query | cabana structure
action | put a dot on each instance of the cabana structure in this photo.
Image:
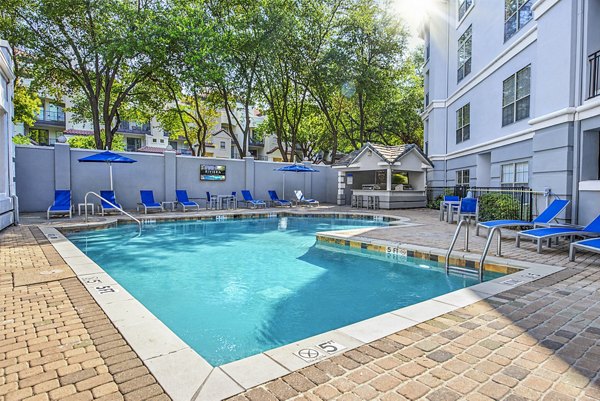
(387, 177)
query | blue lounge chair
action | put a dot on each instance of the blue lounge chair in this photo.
(148, 202)
(184, 201)
(62, 203)
(111, 205)
(251, 201)
(591, 245)
(303, 201)
(544, 219)
(541, 234)
(278, 202)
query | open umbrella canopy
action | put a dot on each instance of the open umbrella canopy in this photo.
(298, 168)
(295, 168)
(107, 157)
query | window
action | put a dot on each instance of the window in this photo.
(462, 177)
(162, 141)
(515, 174)
(133, 144)
(515, 96)
(463, 123)
(153, 139)
(222, 145)
(463, 7)
(517, 13)
(464, 54)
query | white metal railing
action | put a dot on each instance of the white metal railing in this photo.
(113, 205)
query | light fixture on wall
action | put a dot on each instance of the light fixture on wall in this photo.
(61, 139)
(369, 153)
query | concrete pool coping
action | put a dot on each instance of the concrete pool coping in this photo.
(166, 355)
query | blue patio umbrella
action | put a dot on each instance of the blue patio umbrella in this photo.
(107, 157)
(295, 168)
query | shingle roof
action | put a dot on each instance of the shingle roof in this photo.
(82, 132)
(389, 154)
(151, 149)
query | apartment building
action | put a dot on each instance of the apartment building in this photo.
(8, 199)
(512, 97)
(54, 120)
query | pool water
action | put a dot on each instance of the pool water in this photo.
(231, 289)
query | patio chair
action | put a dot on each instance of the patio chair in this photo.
(148, 202)
(467, 209)
(544, 219)
(590, 245)
(211, 201)
(251, 201)
(278, 202)
(446, 206)
(107, 207)
(184, 201)
(303, 201)
(540, 234)
(62, 203)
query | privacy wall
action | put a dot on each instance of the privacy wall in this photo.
(40, 170)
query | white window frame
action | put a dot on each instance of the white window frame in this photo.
(459, 4)
(460, 177)
(517, 13)
(463, 40)
(516, 98)
(461, 125)
(514, 167)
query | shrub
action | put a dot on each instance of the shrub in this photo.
(497, 206)
(435, 202)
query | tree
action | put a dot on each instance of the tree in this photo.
(88, 142)
(99, 50)
(26, 104)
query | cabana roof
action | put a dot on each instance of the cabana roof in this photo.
(388, 154)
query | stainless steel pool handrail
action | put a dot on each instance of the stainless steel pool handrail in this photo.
(113, 205)
(487, 248)
(456, 233)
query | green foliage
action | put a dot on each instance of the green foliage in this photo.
(21, 140)
(497, 206)
(88, 142)
(26, 105)
(435, 202)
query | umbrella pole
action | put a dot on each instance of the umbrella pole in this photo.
(283, 196)
(110, 174)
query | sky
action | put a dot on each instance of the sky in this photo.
(413, 12)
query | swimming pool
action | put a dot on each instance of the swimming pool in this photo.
(231, 289)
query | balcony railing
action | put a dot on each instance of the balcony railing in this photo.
(52, 117)
(594, 77)
(129, 127)
(256, 142)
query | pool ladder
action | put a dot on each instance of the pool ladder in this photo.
(462, 270)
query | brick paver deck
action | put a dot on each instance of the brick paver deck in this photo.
(537, 341)
(55, 341)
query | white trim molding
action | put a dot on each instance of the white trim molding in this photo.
(592, 185)
(540, 7)
(590, 108)
(489, 145)
(561, 116)
(5, 65)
